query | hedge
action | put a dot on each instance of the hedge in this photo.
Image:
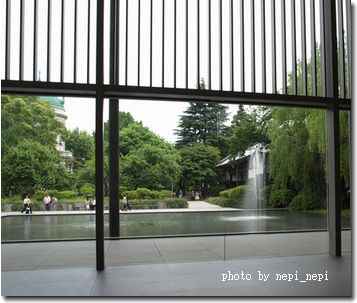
(144, 193)
(157, 203)
(305, 201)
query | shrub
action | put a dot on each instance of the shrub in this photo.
(132, 194)
(158, 203)
(87, 189)
(176, 202)
(225, 193)
(224, 202)
(144, 193)
(164, 194)
(281, 197)
(238, 192)
(67, 194)
(304, 201)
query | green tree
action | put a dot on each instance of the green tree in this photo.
(81, 144)
(28, 118)
(135, 135)
(86, 174)
(292, 164)
(150, 166)
(198, 164)
(248, 128)
(203, 122)
(125, 120)
(31, 166)
(146, 160)
(298, 151)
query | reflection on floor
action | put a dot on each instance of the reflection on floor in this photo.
(180, 266)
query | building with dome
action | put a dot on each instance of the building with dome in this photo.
(57, 104)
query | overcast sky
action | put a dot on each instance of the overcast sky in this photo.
(160, 116)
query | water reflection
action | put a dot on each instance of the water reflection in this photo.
(27, 227)
(160, 224)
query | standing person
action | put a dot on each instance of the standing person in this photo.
(180, 193)
(53, 202)
(126, 203)
(47, 201)
(93, 204)
(192, 195)
(27, 205)
(87, 204)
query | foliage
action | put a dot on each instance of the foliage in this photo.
(248, 129)
(158, 203)
(281, 197)
(224, 202)
(198, 164)
(27, 118)
(203, 122)
(60, 195)
(293, 163)
(30, 166)
(87, 189)
(86, 174)
(237, 192)
(125, 120)
(266, 191)
(304, 201)
(81, 144)
(144, 193)
(135, 135)
(151, 166)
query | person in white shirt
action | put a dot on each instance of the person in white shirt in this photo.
(27, 205)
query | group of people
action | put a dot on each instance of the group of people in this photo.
(194, 195)
(47, 200)
(90, 203)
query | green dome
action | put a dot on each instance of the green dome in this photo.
(54, 101)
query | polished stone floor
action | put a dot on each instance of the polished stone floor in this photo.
(181, 267)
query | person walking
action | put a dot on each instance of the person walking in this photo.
(27, 205)
(47, 201)
(180, 194)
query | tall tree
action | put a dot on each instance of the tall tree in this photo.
(249, 128)
(198, 164)
(31, 166)
(150, 166)
(28, 118)
(29, 132)
(203, 122)
(81, 144)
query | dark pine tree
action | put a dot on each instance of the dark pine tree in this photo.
(203, 122)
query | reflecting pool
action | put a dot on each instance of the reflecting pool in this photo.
(53, 227)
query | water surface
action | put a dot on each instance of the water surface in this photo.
(54, 227)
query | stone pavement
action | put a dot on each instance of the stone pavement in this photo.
(178, 267)
(193, 207)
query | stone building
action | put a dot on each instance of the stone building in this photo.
(57, 104)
